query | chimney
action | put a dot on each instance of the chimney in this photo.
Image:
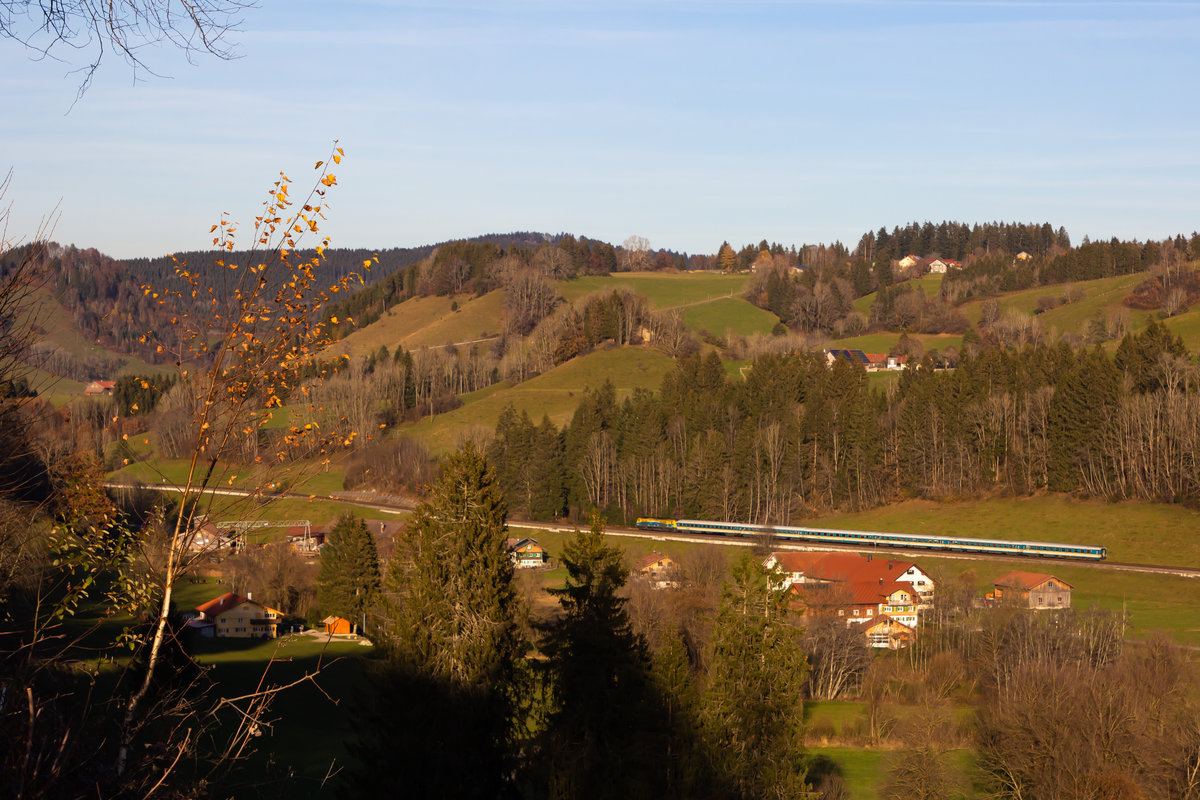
(250, 595)
(889, 565)
(881, 581)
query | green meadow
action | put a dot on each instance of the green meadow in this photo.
(554, 394)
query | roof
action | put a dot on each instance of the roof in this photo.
(853, 356)
(796, 561)
(220, 604)
(866, 592)
(649, 560)
(891, 622)
(1026, 581)
(332, 619)
(854, 568)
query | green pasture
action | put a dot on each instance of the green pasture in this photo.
(1187, 325)
(931, 285)
(1100, 295)
(725, 314)
(861, 768)
(884, 342)
(427, 322)
(1142, 533)
(308, 727)
(1155, 604)
(556, 394)
(661, 289)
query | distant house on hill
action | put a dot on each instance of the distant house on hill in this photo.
(1032, 590)
(236, 617)
(871, 362)
(907, 261)
(99, 387)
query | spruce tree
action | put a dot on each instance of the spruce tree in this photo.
(604, 736)
(754, 706)
(442, 715)
(348, 584)
(450, 580)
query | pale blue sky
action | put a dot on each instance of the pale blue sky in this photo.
(685, 122)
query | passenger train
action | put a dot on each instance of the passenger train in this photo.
(879, 539)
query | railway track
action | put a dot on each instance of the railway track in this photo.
(399, 507)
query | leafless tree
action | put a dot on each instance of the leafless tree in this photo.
(128, 28)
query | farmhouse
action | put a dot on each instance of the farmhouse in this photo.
(804, 567)
(662, 572)
(887, 632)
(859, 589)
(236, 617)
(871, 362)
(99, 387)
(1032, 590)
(526, 553)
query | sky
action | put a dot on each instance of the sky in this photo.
(686, 122)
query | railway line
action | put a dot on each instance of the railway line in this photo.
(398, 507)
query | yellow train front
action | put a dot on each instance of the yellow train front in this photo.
(649, 524)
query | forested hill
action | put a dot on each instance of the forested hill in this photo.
(335, 264)
(90, 285)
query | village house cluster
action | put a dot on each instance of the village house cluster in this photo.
(884, 597)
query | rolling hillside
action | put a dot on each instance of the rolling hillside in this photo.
(554, 394)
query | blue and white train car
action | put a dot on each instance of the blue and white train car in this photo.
(880, 539)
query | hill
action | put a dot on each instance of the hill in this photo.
(554, 394)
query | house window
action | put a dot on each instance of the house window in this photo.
(856, 612)
(870, 612)
(841, 612)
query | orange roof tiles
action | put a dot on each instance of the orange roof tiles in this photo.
(1025, 580)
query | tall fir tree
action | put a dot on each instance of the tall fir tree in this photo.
(348, 584)
(607, 731)
(754, 705)
(444, 709)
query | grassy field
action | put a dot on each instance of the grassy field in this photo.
(1101, 295)
(427, 322)
(931, 285)
(884, 342)
(1146, 533)
(1187, 325)
(309, 727)
(725, 314)
(555, 393)
(662, 290)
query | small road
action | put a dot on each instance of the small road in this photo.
(395, 505)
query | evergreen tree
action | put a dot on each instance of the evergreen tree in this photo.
(603, 737)
(348, 584)
(727, 260)
(443, 714)
(754, 705)
(453, 603)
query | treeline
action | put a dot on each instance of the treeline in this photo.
(797, 436)
(958, 240)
